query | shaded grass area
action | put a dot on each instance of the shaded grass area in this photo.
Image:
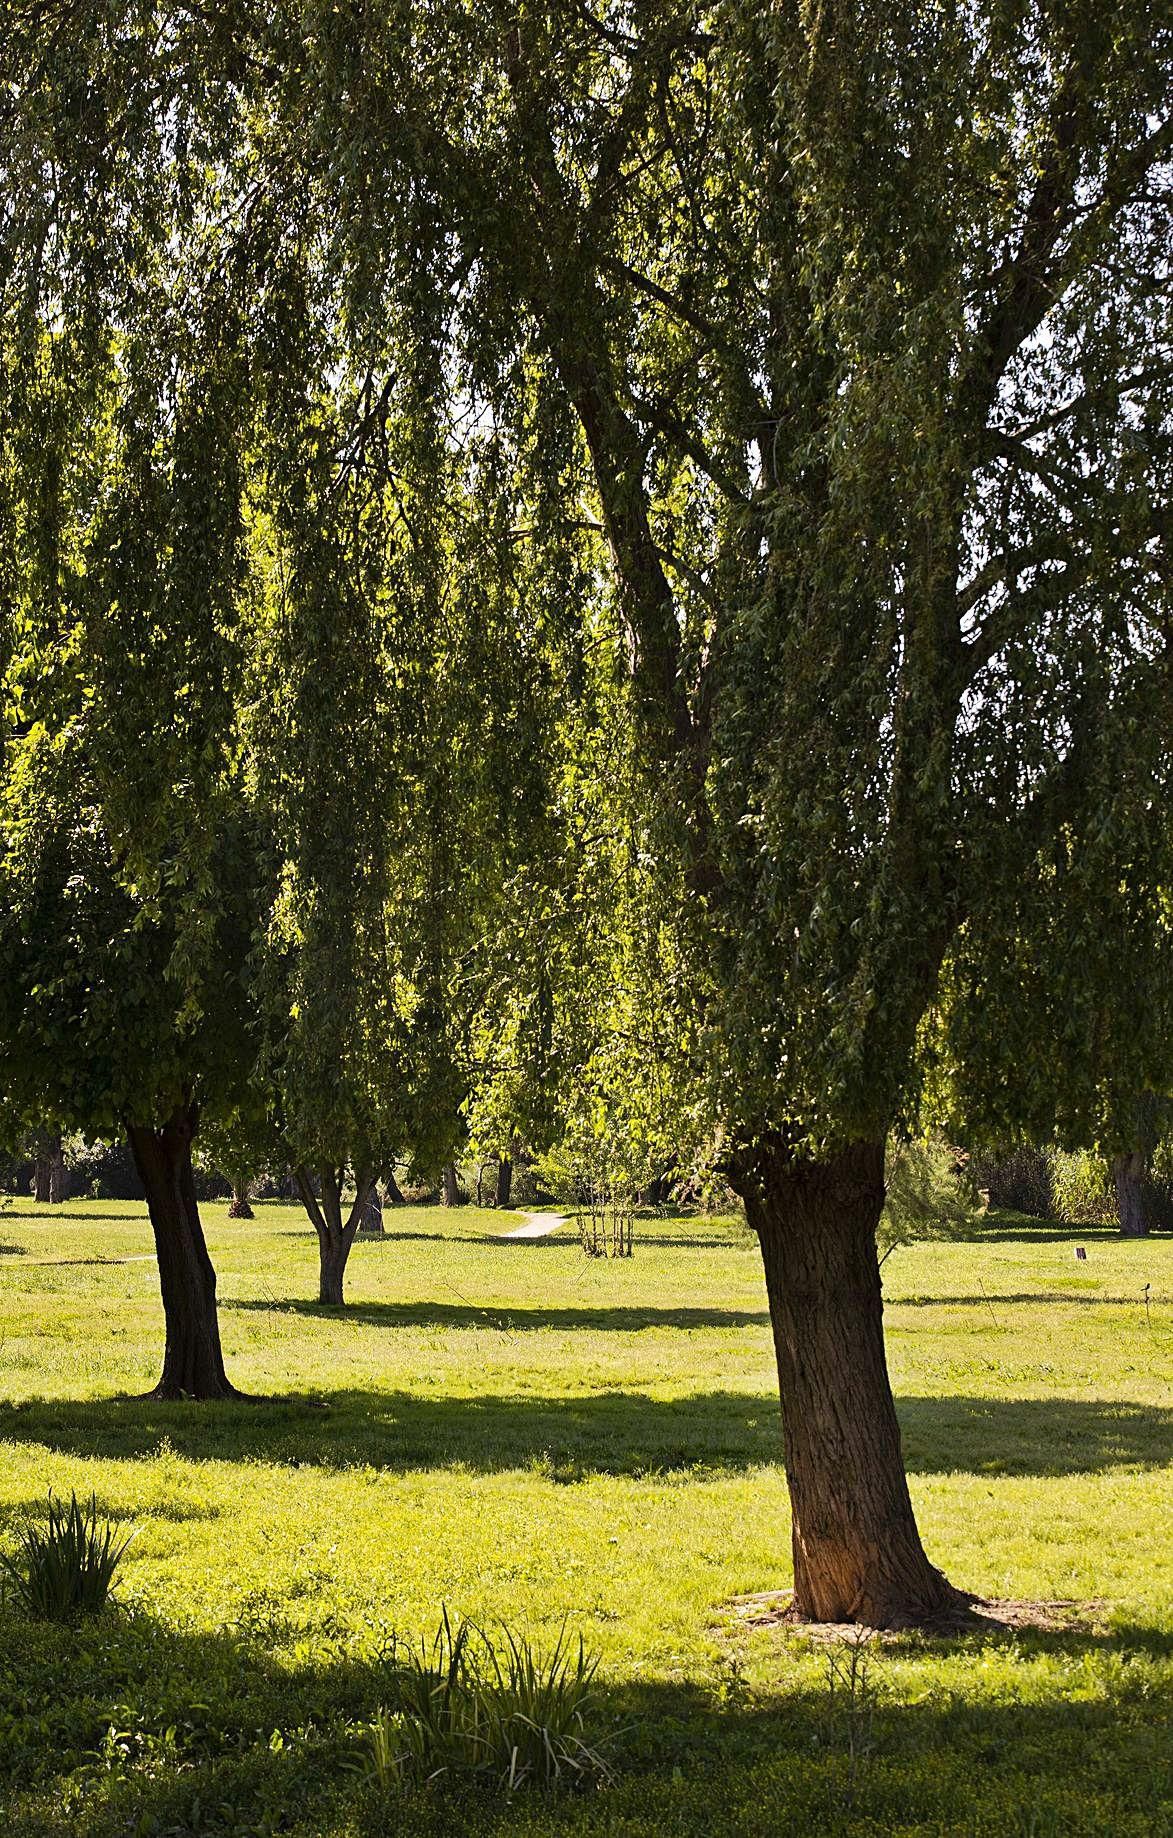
(520, 1432)
(612, 1433)
(177, 1731)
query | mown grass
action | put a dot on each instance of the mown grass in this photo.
(523, 1433)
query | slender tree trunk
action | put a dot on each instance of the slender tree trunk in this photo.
(193, 1366)
(372, 1213)
(391, 1193)
(1130, 1176)
(450, 1191)
(336, 1234)
(238, 1205)
(504, 1180)
(59, 1175)
(332, 1256)
(857, 1551)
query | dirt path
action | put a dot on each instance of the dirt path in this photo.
(537, 1225)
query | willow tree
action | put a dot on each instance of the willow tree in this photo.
(861, 317)
(835, 340)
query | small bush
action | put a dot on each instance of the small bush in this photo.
(929, 1193)
(63, 1570)
(1017, 1180)
(419, 1193)
(469, 1709)
(1083, 1189)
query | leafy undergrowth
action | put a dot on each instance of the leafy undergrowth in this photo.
(541, 1439)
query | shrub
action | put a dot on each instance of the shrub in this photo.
(63, 1570)
(501, 1714)
(1017, 1180)
(1083, 1189)
(419, 1193)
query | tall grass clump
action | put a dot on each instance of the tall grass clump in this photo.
(497, 1712)
(1083, 1188)
(62, 1571)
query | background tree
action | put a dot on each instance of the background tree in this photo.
(126, 858)
(1062, 989)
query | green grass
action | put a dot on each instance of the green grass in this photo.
(520, 1432)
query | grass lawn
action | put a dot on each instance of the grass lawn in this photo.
(517, 1431)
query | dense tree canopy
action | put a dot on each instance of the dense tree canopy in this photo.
(799, 374)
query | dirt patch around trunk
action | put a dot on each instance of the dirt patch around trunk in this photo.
(775, 1608)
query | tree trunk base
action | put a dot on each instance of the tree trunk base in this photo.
(193, 1365)
(168, 1392)
(971, 1615)
(857, 1553)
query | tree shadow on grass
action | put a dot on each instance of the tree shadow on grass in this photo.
(621, 1319)
(570, 1439)
(993, 1299)
(220, 1722)
(1041, 1231)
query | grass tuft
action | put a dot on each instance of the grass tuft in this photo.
(497, 1712)
(63, 1571)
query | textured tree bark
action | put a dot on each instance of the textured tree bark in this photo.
(450, 1191)
(238, 1205)
(858, 1556)
(1130, 1176)
(193, 1365)
(504, 1180)
(331, 1272)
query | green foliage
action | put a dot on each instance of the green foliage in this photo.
(63, 1570)
(1083, 1188)
(664, 386)
(1017, 1179)
(930, 1193)
(476, 1707)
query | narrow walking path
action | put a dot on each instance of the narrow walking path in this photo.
(537, 1225)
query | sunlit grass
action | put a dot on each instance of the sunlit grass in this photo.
(523, 1433)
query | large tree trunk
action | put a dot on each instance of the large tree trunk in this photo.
(193, 1366)
(857, 1551)
(449, 1187)
(1130, 1176)
(504, 1180)
(336, 1234)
